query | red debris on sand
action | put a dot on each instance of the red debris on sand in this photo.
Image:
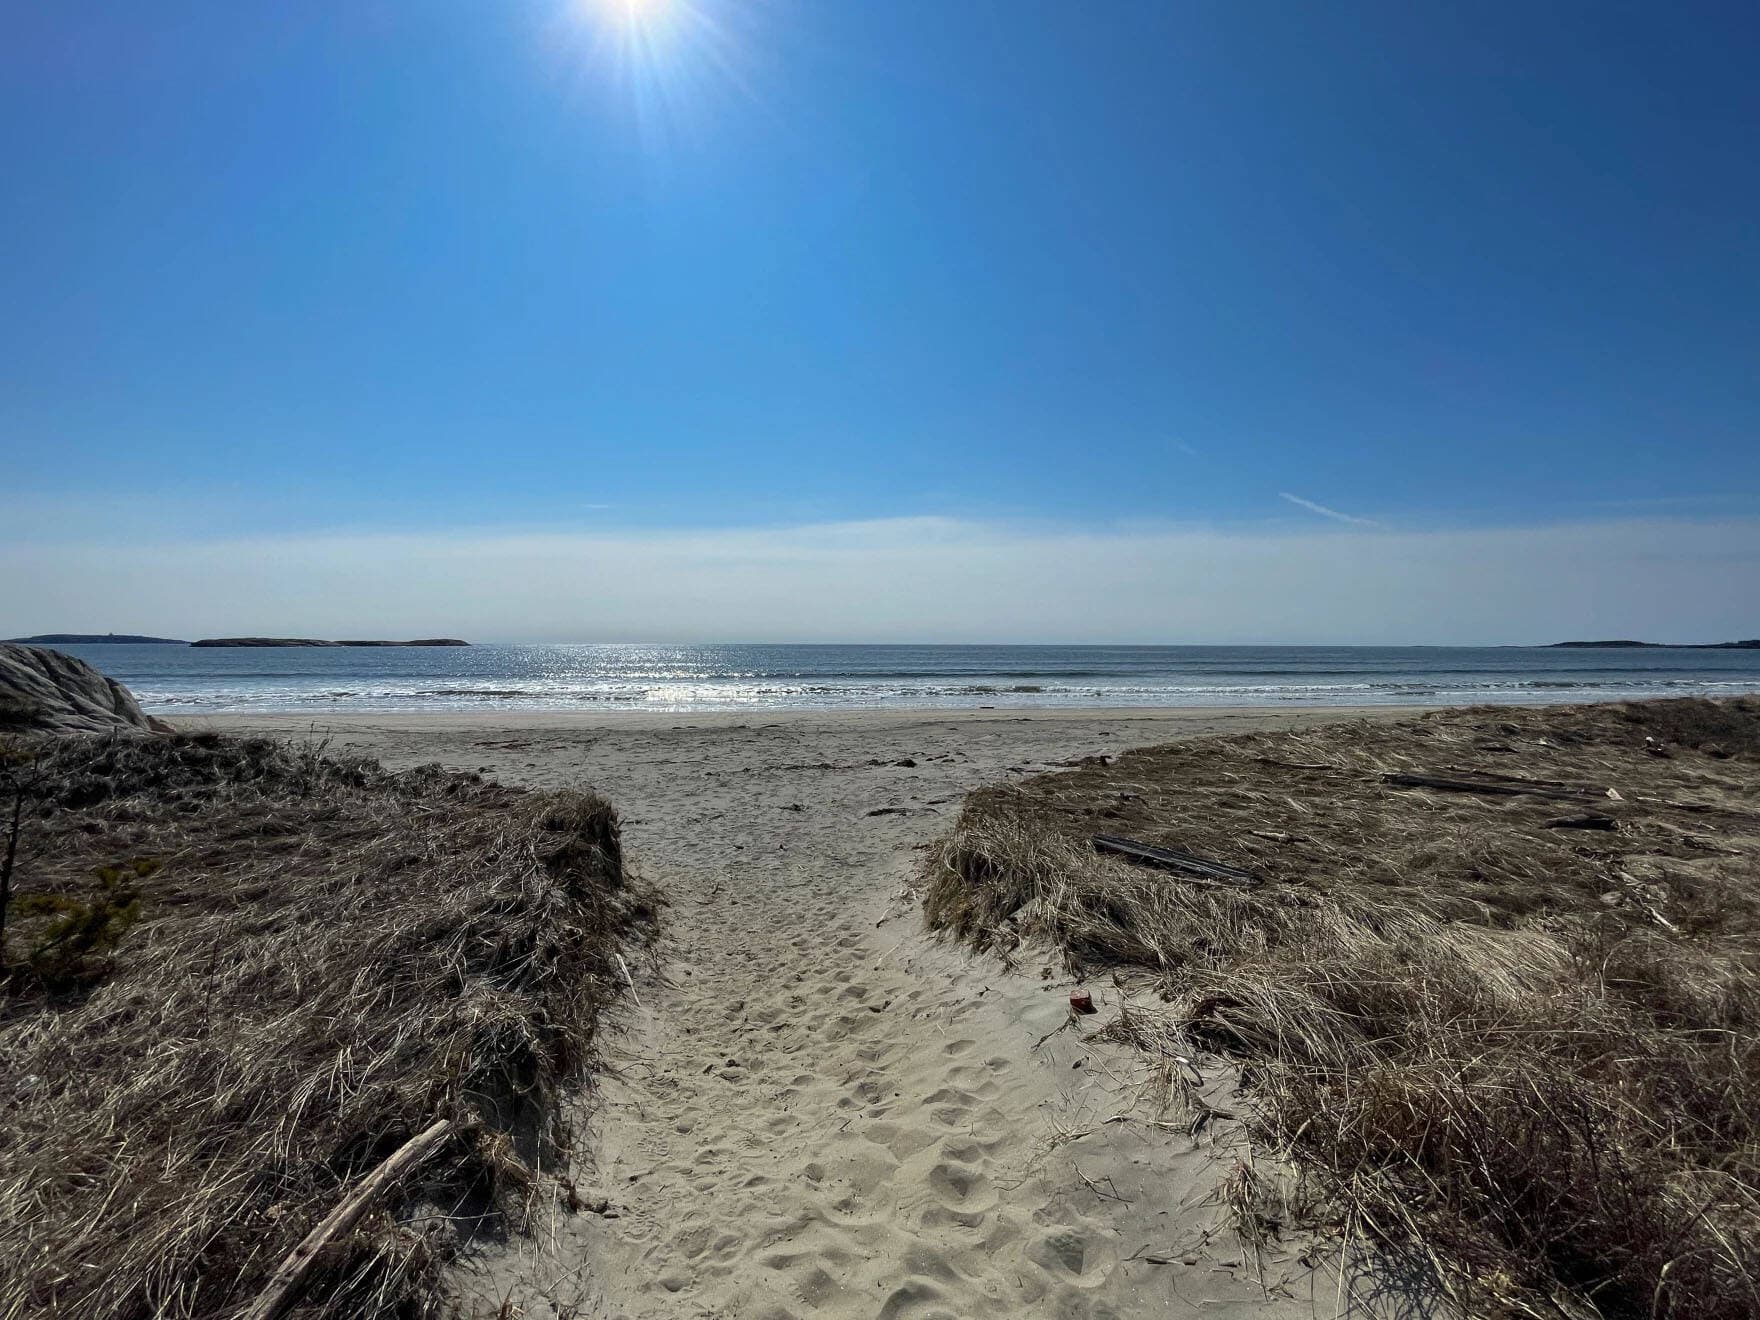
(1080, 1001)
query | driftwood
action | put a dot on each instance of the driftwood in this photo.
(1199, 870)
(1475, 775)
(284, 1285)
(1589, 822)
(1498, 786)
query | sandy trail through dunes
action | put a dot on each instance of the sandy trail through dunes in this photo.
(819, 1112)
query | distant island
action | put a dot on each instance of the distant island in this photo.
(96, 639)
(1751, 644)
(313, 641)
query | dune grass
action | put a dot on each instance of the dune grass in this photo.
(324, 958)
(1523, 1048)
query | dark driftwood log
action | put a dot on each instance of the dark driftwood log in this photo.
(285, 1284)
(1200, 870)
(1589, 822)
(1501, 786)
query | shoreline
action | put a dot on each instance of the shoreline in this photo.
(895, 713)
(1236, 718)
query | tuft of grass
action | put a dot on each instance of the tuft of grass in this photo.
(323, 958)
(1529, 1051)
(1720, 729)
(18, 713)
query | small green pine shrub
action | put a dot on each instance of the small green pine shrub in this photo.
(80, 931)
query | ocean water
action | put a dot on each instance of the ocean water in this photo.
(173, 679)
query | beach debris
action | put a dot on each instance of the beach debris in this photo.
(1107, 1193)
(1294, 765)
(284, 1284)
(1498, 786)
(1197, 870)
(628, 980)
(1589, 822)
(1279, 836)
(1068, 1019)
(1081, 1001)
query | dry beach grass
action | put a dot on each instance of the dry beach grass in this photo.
(328, 957)
(814, 1110)
(1522, 1047)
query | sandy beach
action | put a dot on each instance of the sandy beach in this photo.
(817, 1110)
(696, 660)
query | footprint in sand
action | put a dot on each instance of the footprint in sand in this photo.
(961, 1187)
(878, 1148)
(917, 1300)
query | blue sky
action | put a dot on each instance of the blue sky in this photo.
(419, 267)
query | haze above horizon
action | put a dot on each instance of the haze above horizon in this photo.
(671, 318)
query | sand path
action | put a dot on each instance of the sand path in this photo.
(819, 1112)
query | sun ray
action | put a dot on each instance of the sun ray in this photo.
(664, 63)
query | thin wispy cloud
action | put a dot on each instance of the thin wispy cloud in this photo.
(1723, 498)
(1325, 512)
(905, 579)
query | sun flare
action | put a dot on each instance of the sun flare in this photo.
(668, 60)
(636, 20)
(645, 34)
(634, 13)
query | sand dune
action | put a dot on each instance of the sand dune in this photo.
(819, 1112)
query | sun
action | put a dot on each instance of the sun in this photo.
(634, 14)
(633, 11)
(666, 63)
(642, 32)
(664, 71)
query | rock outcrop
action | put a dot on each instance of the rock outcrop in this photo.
(44, 691)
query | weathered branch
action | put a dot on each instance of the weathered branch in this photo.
(284, 1285)
(1200, 870)
(1501, 786)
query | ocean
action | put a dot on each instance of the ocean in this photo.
(173, 679)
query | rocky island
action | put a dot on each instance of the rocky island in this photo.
(96, 639)
(1750, 644)
(313, 641)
